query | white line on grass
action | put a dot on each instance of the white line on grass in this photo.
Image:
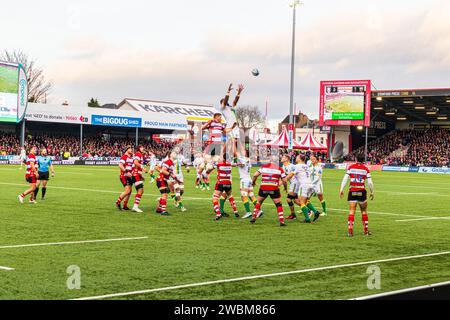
(204, 199)
(6, 268)
(271, 275)
(69, 242)
(424, 219)
(387, 294)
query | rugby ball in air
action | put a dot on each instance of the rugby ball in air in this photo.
(255, 72)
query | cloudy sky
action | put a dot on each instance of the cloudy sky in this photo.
(188, 51)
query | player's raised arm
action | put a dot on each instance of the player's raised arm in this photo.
(239, 91)
(227, 96)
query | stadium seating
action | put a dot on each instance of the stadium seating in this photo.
(430, 147)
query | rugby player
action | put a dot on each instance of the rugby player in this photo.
(178, 185)
(217, 133)
(152, 162)
(45, 165)
(31, 176)
(229, 113)
(22, 157)
(317, 173)
(199, 165)
(303, 175)
(247, 191)
(137, 177)
(294, 186)
(126, 178)
(223, 187)
(166, 171)
(271, 175)
(358, 174)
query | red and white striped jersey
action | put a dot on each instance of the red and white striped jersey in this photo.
(169, 166)
(224, 172)
(127, 162)
(358, 174)
(216, 131)
(30, 159)
(271, 174)
(137, 170)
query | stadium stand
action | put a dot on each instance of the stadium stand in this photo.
(65, 146)
(428, 147)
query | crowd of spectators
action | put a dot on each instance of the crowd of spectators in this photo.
(65, 146)
(429, 148)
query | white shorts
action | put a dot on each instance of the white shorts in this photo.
(152, 166)
(235, 133)
(318, 188)
(246, 184)
(294, 187)
(180, 178)
(307, 190)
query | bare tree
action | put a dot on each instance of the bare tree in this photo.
(249, 117)
(39, 87)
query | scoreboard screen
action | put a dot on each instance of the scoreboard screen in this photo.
(345, 103)
(13, 92)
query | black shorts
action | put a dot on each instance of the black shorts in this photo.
(44, 176)
(357, 196)
(163, 187)
(224, 187)
(273, 194)
(31, 179)
(126, 181)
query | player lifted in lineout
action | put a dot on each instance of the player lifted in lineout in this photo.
(229, 113)
(358, 174)
(271, 175)
(31, 176)
(126, 178)
(223, 189)
(45, 165)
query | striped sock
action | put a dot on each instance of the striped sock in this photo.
(163, 204)
(351, 222)
(233, 204)
(119, 201)
(137, 199)
(216, 207)
(365, 219)
(280, 214)
(256, 211)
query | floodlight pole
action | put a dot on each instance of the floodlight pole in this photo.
(294, 6)
(137, 136)
(366, 147)
(22, 133)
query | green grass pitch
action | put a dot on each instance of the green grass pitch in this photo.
(190, 248)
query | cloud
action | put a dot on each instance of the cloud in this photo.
(394, 50)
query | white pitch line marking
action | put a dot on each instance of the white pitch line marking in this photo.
(387, 294)
(6, 268)
(424, 219)
(204, 199)
(69, 242)
(271, 275)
